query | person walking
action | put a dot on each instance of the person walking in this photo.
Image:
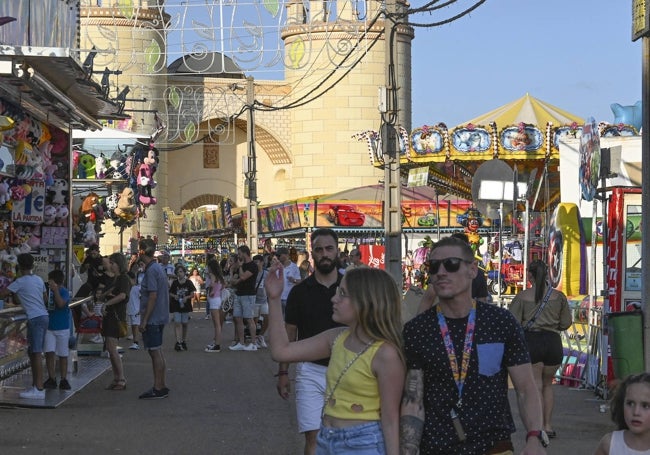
(154, 314)
(308, 313)
(365, 376)
(356, 260)
(115, 299)
(215, 284)
(243, 309)
(180, 295)
(544, 313)
(459, 357)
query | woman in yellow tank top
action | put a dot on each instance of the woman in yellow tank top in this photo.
(365, 376)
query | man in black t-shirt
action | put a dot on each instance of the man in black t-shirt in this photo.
(309, 312)
(244, 306)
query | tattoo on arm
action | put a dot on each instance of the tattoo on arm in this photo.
(412, 415)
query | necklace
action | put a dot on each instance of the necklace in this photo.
(344, 370)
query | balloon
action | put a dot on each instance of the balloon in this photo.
(628, 115)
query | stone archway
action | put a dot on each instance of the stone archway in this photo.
(204, 199)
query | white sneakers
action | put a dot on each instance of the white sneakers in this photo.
(261, 342)
(33, 394)
(241, 347)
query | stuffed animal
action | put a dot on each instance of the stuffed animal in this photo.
(101, 166)
(62, 214)
(4, 192)
(145, 177)
(117, 166)
(90, 208)
(126, 208)
(86, 168)
(34, 240)
(49, 215)
(90, 236)
(58, 193)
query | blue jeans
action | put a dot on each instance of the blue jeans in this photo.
(364, 439)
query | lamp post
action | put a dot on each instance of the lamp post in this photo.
(251, 169)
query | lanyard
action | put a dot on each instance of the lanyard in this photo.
(458, 374)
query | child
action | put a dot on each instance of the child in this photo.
(58, 330)
(631, 414)
(133, 310)
(180, 295)
(28, 290)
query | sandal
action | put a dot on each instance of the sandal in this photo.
(117, 385)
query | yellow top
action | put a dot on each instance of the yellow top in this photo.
(356, 396)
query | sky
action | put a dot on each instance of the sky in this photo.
(574, 54)
(577, 55)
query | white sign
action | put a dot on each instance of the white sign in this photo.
(30, 209)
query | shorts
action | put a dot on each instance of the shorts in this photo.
(133, 319)
(310, 395)
(214, 303)
(262, 308)
(364, 439)
(152, 337)
(544, 346)
(36, 329)
(244, 306)
(181, 318)
(57, 341)
(111, 326)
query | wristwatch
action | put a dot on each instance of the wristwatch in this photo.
(539, 434)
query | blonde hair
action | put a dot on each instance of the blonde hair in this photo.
(378, 303)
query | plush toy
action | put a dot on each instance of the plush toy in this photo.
(628, 115)
(58, 193)
(90, 208)
(34, 240)
(126, 209)
(86, 168)
(101, 166)
(90, 236)
(62, 214)
(4, 192)
(49, 215)
(145, 177)
(117, 166)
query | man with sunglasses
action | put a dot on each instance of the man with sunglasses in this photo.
(459, 355)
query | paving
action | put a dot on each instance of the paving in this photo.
(220, 403)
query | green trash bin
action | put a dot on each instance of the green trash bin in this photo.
(626, 342)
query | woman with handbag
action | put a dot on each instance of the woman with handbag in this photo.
(366, 371)
(115, 299)
(544, 313)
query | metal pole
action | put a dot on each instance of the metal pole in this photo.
(390, 145)
(645, 194)
(251, 175)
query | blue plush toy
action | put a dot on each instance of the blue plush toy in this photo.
(628, 115)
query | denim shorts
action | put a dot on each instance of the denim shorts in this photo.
(152, 337)
(36, 329)
(364, 439)
(244, 306)
(181, 318)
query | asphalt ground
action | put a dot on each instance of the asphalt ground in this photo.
(220, 403)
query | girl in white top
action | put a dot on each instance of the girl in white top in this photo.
(631, 414)
(214, 285)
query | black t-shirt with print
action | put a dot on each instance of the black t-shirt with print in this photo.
(181, 291)
(485, 411)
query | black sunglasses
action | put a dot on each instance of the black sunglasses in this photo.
(451, 264)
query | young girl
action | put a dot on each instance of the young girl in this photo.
(631, 414)
(215, 284)
(365, 376)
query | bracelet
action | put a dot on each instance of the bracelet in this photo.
(282, 373)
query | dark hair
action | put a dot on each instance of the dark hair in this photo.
(467, 252)
(120, 260)
(618, 400)
(148, 246)
(244, 249)
(131, 274)
(461, 235)
(25, 261)
(214, 268)
(258, 257)
(538, 270)
(324, 232)
(57, 276)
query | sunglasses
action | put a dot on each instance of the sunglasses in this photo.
(451, 264)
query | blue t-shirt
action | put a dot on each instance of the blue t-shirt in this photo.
(30, 290)
(59, 316)
(155, 280)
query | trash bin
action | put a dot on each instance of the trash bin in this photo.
(626, 342)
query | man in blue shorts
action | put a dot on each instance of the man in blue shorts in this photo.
(154, 311)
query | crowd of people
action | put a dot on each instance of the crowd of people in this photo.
(365, 382)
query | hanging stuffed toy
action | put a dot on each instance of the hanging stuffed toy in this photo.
(145, 177)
